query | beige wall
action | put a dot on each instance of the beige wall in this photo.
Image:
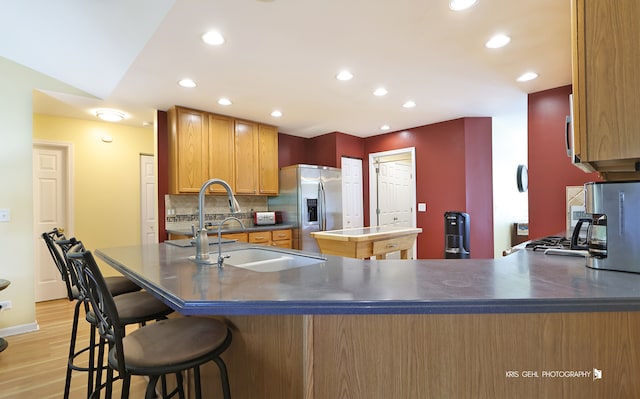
(112, 172)
(17, 237)
(106, 177)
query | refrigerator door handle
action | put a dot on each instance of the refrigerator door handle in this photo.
(321, 208)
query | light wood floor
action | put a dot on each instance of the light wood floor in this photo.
(34, 364)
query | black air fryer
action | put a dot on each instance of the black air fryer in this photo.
(456, 235)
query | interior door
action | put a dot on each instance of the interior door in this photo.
(352, 198)
(395, 206)
(51, 179)
(148, 212)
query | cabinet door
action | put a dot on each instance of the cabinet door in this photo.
(260, 237)
(188, 150)
(268, 159)
(221, 151)
(606, 56)
(246, 159)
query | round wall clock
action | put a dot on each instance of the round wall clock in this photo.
(522, 178)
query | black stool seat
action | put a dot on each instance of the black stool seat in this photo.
(171, 345)
(136, 307)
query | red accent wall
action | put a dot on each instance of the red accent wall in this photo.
(291, 150)
(550, 170)
(163, 171)
(322, 150)
(453, 173)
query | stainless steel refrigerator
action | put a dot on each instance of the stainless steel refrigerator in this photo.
(311, 199)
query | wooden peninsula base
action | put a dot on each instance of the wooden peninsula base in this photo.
(552, 355)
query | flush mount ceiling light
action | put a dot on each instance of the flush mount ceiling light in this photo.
(224, 101)
(213, 38)
(525, 77)
(380, 91)
(385, 127)
(344, 75)
(187, 83)
(498, 41)
(459, 5)
(276, 114)
(110, 115)
(409, 104)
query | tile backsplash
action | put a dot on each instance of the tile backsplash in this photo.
(182, 210)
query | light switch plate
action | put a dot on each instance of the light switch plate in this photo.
(422, 207)
(5, 215)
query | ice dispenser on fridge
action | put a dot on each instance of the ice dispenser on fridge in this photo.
(613, 238)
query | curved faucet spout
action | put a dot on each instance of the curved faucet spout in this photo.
(202, 240)
(220, 257)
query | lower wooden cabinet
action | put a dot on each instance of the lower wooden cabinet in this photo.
(276, 238)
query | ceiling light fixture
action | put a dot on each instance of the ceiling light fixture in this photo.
(459, 5)
(224, 101)
(409, 104)
(187, 83)
(213, 38)
(385, 127)
(380, 91)
(276, 114)
(110, 115)
(106, 139)
(498, 41)
(344, 75)
(525, 77)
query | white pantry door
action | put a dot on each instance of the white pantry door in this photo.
(352, 199)
(51, 188)
(148, 209)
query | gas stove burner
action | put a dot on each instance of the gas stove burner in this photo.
(555, 242)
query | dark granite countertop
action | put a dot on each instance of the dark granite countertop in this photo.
(522, 282)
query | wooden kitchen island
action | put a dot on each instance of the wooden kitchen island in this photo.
(527, 325)
(365, 242)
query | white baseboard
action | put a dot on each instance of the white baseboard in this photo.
(23, 328)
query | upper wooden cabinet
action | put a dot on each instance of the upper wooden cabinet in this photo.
(188, 145)
(606, 84)
(203, 145)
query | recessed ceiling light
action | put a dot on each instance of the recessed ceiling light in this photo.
(525, 77)
(187, 83)
(110, 115)
(385, 127)
(380, 91)
(344, 75)
(459, 5)
(276, 114)
(147, 124)
(213, 38)
(106, 139)
(409, 104)
(498, 41)
(224, 101)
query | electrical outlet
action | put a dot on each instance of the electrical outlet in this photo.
(5, 215)
(6, 305)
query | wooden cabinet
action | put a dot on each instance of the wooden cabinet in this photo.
(278, 238)
(606, 86)
(188, 145)
(241, 237)
(203, 145)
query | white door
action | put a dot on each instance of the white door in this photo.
(148, 208)
(392, 190)
(352, 202)
(51, 199)
(395, 207)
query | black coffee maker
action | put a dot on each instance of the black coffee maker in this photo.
(456, 235)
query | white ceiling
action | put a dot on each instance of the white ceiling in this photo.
(284, 54)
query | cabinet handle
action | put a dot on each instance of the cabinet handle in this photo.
(567, 135)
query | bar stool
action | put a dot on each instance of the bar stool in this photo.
(167, 347)
(138, 307)
(3, 342)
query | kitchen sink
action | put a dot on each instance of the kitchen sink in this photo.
(267, 259)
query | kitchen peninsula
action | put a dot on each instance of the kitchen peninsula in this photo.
(349, 328)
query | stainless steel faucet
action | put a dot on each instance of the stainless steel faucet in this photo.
(220, 257)
(201, 238)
